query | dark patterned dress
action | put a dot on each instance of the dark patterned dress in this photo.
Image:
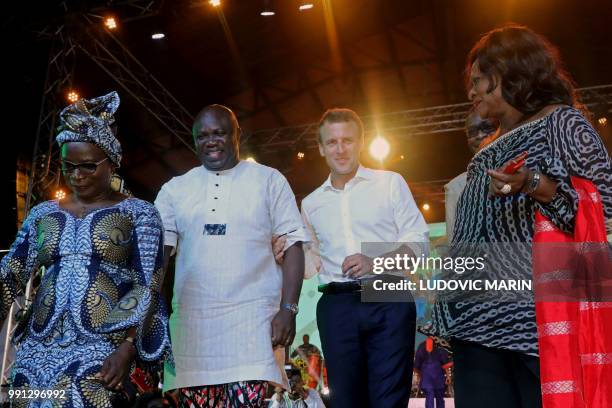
(101, 277)
(560, 144)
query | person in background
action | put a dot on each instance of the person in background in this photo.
(432, 366)
(298, 395)
(311, 356)
(479, 132)
(305, 350)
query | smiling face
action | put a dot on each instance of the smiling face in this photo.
(341, 143)
(215, 133)
(488, 103)
(81, 183)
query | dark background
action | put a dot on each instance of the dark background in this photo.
(391, 55)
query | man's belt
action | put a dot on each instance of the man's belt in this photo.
(335, 288)
(364, 284)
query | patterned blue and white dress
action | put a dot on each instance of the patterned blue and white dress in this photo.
(102, 276)
(560, 145)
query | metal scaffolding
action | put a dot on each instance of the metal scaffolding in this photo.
(86, 35)
(113, 57)
(414, 122)
(44, 169)
(83, 32)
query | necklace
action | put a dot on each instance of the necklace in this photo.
(81, 210)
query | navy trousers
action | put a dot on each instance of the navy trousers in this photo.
(432, 395)
(368, 350)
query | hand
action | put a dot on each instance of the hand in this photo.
(278, 248)
(357, 265)
(116, 366)
(516, 181)
(283, 328)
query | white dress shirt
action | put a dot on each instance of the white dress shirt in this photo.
(374, 206)
(227, 288)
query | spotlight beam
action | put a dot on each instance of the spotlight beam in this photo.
(379, 148)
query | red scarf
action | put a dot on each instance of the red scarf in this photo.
(575, 337)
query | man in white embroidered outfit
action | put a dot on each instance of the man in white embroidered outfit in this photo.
(232, 303)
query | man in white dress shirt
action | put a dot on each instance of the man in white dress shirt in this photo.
(232, 304)
(368, 347)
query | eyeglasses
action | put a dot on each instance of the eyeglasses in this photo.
(84, 168)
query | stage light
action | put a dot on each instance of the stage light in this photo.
(158, 36)
(267, 10)
(300, 155)
(60, 194)
(402, 157)
(251, 159)
(306, 5)
(110, 23)
(379, 148)
(426, 207)
(72, 96)
(214, 3)
(601, 111)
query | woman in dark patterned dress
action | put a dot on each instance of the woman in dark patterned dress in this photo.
(98, 304)
(515, 76)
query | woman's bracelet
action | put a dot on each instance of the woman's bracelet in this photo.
(532, 183)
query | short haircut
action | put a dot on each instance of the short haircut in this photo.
(339, 115)
(223, 110)
(219, 108)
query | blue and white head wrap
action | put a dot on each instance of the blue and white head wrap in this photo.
(90, 121)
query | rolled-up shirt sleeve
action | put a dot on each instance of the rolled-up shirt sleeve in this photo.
(312, 255)
(164, 204)
(412, 228)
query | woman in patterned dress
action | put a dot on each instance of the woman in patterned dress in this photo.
(98, 306)
(514, 76)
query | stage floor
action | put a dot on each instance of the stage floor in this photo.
(420, 403)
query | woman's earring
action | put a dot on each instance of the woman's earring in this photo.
(116, 182)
